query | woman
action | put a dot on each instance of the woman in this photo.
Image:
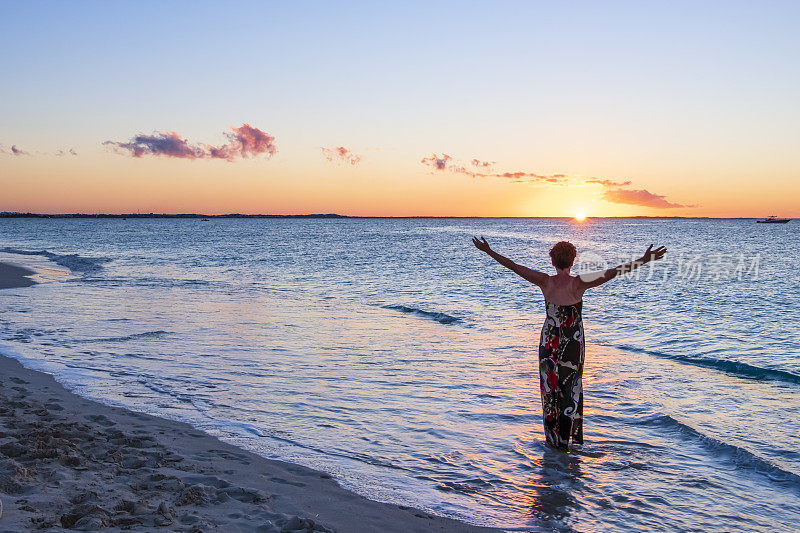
(561, 346)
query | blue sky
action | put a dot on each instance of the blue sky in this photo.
(653, 91)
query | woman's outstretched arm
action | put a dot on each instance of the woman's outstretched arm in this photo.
(534, 276)
(593, 279)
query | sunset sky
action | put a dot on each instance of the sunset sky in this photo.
(408, 108)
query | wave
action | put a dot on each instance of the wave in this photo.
(441, 318)
(240, 428)
(74, 262)
(133, 336)
(736, 368)
(150, 282)
(741, 458)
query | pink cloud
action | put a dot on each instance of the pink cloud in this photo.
(250, 141)
(639, 197)
(482, 164)
(436, 161)
(483, 169)
(608, 183)
(18, 151)
(244, 141)
(530, 176)
(614, 191)
(71, 151)
(340, 153)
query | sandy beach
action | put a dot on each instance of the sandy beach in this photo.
(15, 276)
(68, 462)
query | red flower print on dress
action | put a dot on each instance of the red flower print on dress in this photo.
(552, 380)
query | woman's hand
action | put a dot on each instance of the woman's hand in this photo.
(595, 280)
(481, 244)
(653, 255)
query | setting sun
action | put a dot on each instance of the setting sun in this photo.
(580, 217)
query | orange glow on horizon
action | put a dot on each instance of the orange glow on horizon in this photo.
(298, 182)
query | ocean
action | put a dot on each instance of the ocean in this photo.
(395, 356)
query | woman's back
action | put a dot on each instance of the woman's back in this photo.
(562, 289)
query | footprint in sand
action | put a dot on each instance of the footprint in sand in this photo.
(209, 480)
(100, 419)
(286, 482)
(244, 495)
(54, 406)
(233, 456)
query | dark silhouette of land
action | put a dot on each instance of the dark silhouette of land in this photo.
(7, 214)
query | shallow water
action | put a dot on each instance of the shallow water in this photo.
(394, 355)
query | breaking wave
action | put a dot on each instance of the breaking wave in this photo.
(74, 262)
(441, 318)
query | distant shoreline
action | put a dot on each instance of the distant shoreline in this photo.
(162, 215)
(6, 214)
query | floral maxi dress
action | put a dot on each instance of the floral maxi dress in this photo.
(561, 353)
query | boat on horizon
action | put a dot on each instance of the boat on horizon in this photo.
(773, 220)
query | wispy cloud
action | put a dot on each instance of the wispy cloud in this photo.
(639, 197)
(612, 190)
(14, 150)
(523, 177)
(439, 162)
(244, 141)
(608, 183)
(340, 153)
(477, 168)
(482, 164)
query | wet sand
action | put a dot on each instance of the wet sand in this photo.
(15, 276)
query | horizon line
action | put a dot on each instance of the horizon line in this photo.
(19, 214)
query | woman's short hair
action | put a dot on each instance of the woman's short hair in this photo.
(563, 254)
